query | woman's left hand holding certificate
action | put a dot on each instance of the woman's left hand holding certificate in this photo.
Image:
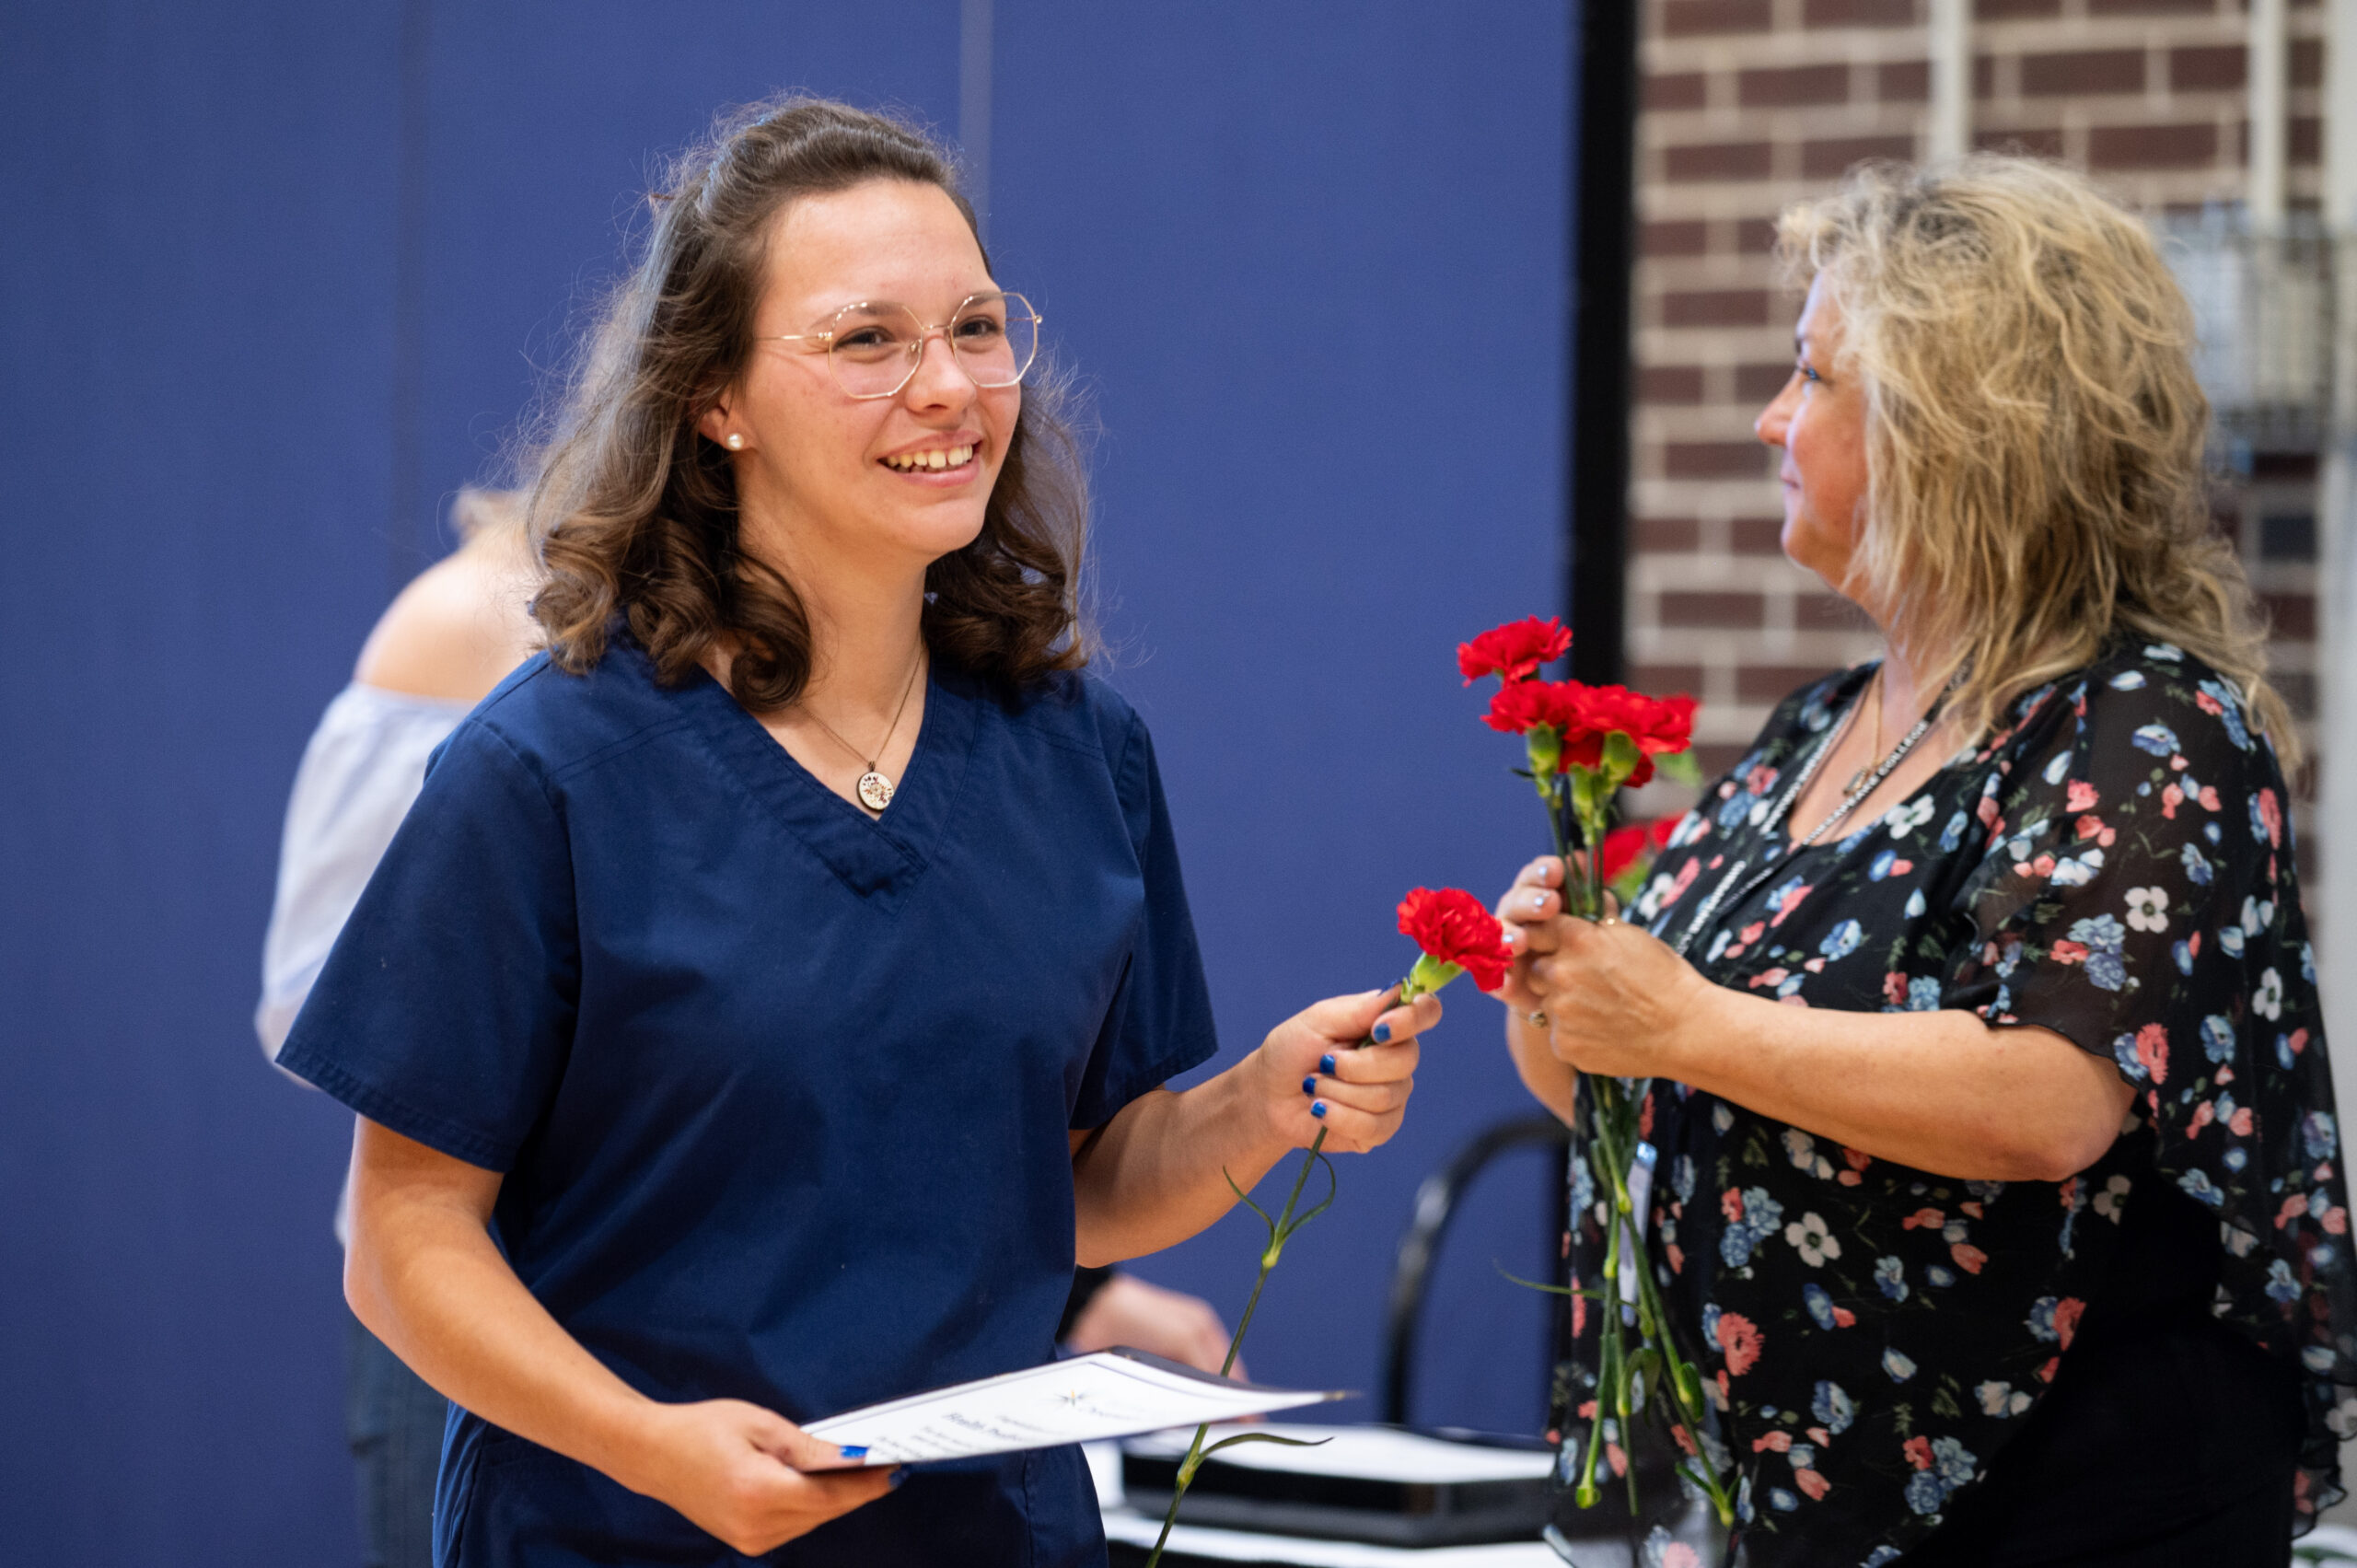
(470, 1329)
(749, 1475)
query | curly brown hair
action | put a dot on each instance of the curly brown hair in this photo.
(635, 511)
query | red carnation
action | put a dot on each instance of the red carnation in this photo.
(1659, 726)
(1623, 845)
(1514, 652)
(1522, 706)
(1453, 928)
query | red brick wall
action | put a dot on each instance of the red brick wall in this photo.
(1752, 104)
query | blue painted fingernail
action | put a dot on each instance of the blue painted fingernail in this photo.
(1326, 1065)
(854, 1451)
(898, 1476)
(1318, 1110)
(1309, 1085)
(1382, 1033)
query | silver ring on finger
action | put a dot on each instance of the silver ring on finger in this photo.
(1538, 1017)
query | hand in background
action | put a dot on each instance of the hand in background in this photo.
(1126, 1310)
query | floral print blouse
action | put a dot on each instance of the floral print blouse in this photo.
(2114, 865)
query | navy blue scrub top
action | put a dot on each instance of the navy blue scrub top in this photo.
(780, 1091)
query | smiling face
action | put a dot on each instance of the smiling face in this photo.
(891, 483)
(1820, 420)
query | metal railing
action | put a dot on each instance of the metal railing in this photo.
(2263, 317)
(1435, 1204)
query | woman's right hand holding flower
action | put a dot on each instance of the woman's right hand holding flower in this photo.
(1530, 912)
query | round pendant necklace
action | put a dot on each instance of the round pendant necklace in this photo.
(1873, 749)
(875, 789)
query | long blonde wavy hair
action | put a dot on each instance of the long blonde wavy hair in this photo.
(2034, 431)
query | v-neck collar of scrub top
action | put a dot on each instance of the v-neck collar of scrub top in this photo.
(883, 858)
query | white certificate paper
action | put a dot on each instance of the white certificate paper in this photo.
(1112, 1393)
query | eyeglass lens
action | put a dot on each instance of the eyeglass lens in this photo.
(877, 346)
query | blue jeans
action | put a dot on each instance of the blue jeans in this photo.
(394, 1424)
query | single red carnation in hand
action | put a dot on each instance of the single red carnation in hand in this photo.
(1521, 706)
(1623, 845)
(1660, 725)
(1514, 652)
(1452, 926)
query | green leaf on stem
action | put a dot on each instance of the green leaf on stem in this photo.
(1246, 1199)
(1265, 1437)
(1679, 767)
(1550, 1290)
(1286, 1233)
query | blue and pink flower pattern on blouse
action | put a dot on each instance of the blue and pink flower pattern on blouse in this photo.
(2113, 864)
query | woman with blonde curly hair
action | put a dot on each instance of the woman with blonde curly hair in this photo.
(2016, 1234)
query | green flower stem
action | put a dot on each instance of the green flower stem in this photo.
(1585, 795)
(1269, 1256)
(1585, 1493)
(1613, 1387)
(1613, 1395)
(1429, 975)
(1681, 1386)
(1591, 802)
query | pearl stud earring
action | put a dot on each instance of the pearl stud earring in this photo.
(736, 442)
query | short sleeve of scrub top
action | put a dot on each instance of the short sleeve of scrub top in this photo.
(780, 1092)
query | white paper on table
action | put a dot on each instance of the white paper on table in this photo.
(1112, 1393)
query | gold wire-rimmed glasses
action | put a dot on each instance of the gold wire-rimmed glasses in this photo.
(873, 346)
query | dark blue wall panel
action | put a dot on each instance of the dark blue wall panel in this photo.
(195, 278)
(547, 125)
(1312, 268)
(279, 278)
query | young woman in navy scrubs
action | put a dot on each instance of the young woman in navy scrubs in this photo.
(767, 1000)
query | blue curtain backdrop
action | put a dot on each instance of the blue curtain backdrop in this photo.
(281, 277)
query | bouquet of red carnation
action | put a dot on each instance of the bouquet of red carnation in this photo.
(1454, 933)
(1583, 744)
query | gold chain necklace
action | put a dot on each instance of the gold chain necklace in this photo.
(876, 790)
